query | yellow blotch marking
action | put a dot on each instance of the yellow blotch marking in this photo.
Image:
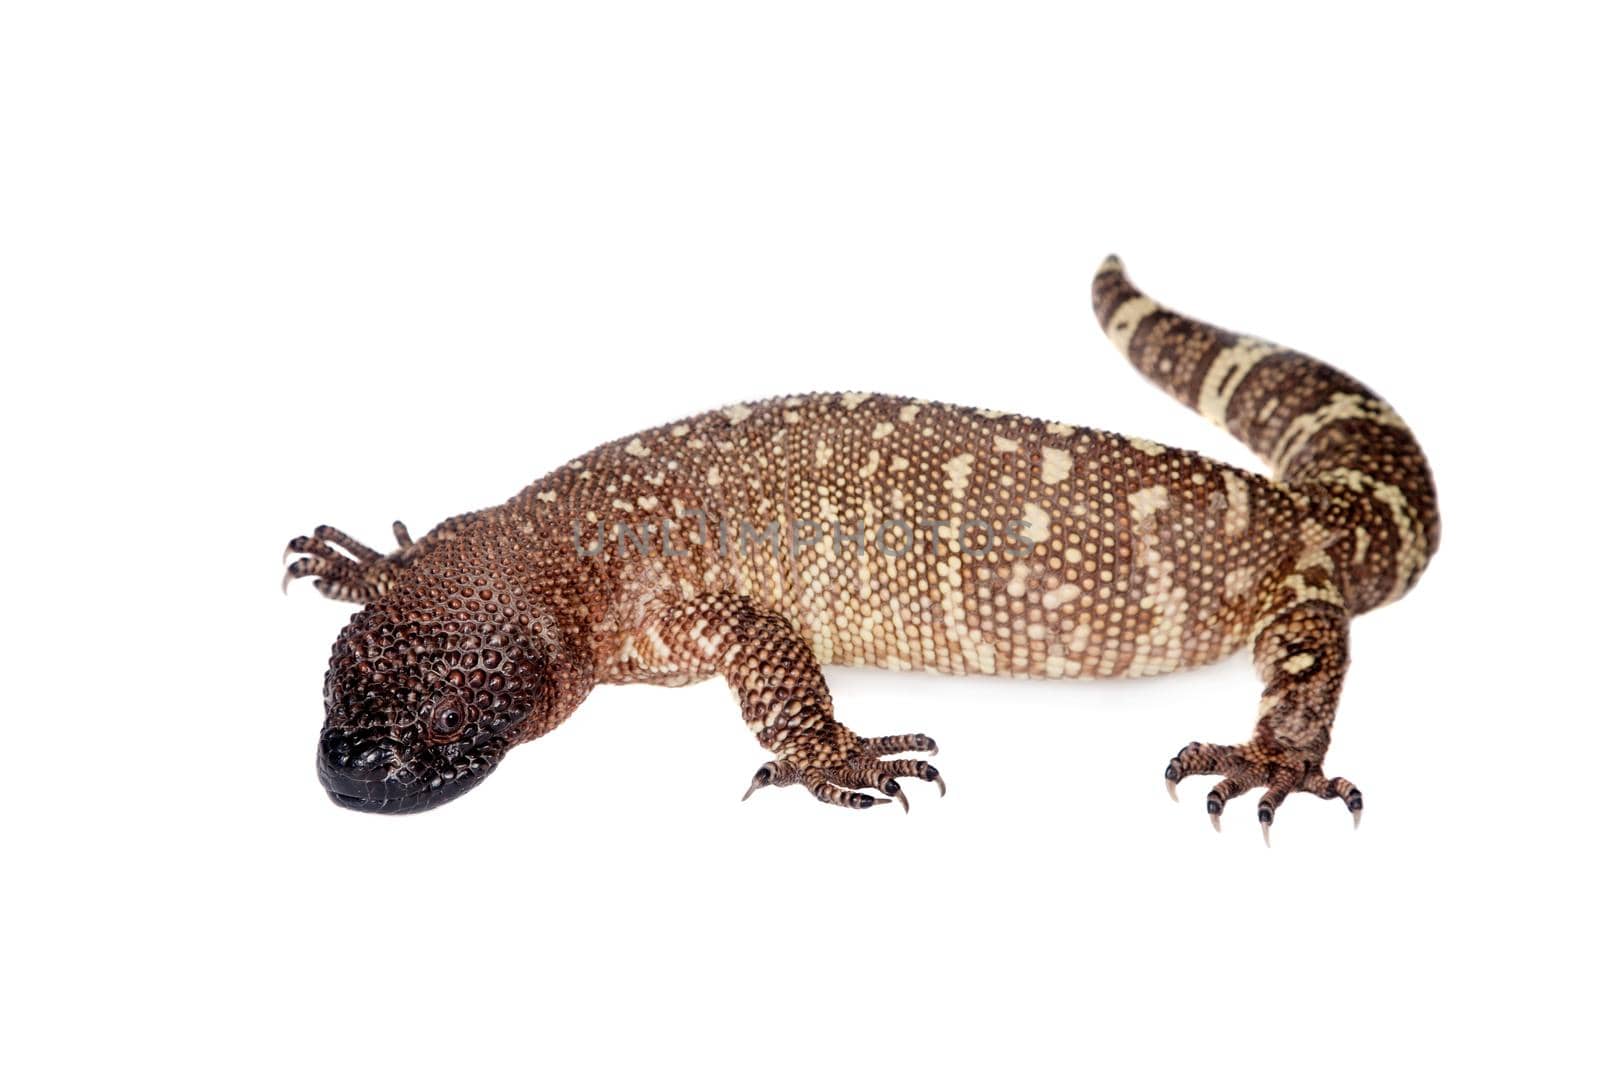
(648, 502)
(1055, 666)
(1363, 541)
(958, 471)
(737, 413)
(1057, 465)
(1066, 593)
(1230, 368)
(899, 463)
(1126, 319)
(909, 412)
(1005, 444)
(851, 401)
(1297, 664)
(824, 453)
(622, 505)
(882, 430)
(1314, 542)
(1060, 429)
(1236, 520)
(1036, 522)
(1237, 582)
(1149, 448)
(681, 430)
(636, 447)
(1079, 642)
(714, 476)
(548, 497)
(1146, 502)
(873, 458)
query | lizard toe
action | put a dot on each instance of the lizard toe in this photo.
(1247, 767)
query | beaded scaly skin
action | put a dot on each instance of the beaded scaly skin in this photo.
(763, 541)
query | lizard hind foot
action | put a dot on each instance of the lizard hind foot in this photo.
(344, 568)
(1246, 767)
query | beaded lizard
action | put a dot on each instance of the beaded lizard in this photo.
(761, 542)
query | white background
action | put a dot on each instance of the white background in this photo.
(268, 266)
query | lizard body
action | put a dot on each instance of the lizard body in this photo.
(762, 541)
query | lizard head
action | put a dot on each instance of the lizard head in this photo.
(421, 705)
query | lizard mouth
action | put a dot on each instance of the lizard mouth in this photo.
(387, 796)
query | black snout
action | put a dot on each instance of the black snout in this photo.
(361, 773)
(370, 774)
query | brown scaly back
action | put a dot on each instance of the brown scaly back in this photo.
(1323, 433)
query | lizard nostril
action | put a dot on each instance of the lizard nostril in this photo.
(362, 762)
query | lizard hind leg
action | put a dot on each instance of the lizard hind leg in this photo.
(1301, 653)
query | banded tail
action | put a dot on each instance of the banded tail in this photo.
(1324, 434)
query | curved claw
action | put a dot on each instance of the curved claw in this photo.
(938, 780)
(892, 789)
(761, 778)
(1266, 833)
(1172, 790)
(1355, 816)
(1216, 822)
(287, 578)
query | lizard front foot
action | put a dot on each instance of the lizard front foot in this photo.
(1282, 771)
(358, 573)
(833, 774)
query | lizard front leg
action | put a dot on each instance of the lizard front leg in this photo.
(344, 568)
(1301, 652)
(785, 701)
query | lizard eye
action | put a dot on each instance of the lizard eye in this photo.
(446, 719)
